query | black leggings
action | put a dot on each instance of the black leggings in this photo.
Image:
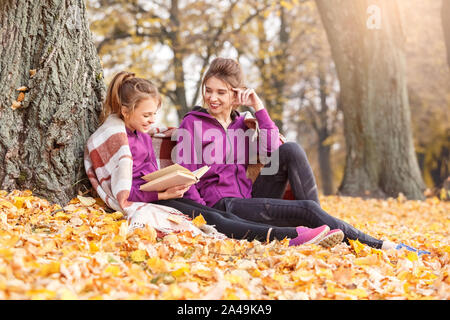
(267, 207)
(230, 224)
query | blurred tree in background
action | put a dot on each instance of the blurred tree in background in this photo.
(284, 49)
(371, 65)
(171, 42)
(428, 85)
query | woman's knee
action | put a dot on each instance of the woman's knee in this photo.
(311, 204)
(292, 150)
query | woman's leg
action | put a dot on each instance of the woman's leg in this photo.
(229, 224)
(293, 167)
(284, 213)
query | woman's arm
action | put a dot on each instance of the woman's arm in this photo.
(269, 137)
(137, 195)
(185, 143)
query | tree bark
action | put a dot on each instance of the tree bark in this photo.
(326, 173)
(42, 141)
(179, 74)
(445, 18)
(323, 133)
(370, 62)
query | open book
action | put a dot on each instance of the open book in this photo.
(171, 176)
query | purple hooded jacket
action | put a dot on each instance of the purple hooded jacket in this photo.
(201, 140)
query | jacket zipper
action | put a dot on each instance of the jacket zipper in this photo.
(226, 157)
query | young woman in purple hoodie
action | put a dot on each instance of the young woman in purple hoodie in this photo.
(217, 135)
(136, 101)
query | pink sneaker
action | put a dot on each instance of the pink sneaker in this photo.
(307, 235)
(332, 238)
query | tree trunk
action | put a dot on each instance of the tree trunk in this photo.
(445, 18)
(368, 51)
(273, 70)
(323, 133)
(42, 140)
(175, 37)
(326, 173)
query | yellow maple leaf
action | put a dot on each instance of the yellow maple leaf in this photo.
(157, 265)
(113, 270)
(93, 248)
(49, 268)
(138, 255)
(230, 294)
(146, 233)
(19, 202)
(6, 253)
(412, 256)
(199, 221)
(182, 270)
(256, 273)
(62, 216)
(117, 215)
(357, 246)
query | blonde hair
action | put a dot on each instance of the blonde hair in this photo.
(127, 90)
(227, 70)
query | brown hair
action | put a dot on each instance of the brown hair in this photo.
(127, 90)
(227, 70)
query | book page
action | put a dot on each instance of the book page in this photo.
(170, 180)
(201, 171)
(167, 170)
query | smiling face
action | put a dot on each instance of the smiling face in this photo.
(218, 98)
(143, 115)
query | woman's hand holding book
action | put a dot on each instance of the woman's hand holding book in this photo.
(173, 192)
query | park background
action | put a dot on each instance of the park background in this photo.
(286, 56)
(362, 85)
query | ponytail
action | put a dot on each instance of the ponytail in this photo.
(127, 90)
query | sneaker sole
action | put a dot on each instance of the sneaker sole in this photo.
(332, 240)
(319, 237)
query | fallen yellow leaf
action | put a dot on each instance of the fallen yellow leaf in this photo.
(138, 255)
(113, 270)
(86, 201)
(199, 221)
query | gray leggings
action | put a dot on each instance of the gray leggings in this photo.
(267, 207)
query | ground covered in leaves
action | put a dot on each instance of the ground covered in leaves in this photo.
(83, 252)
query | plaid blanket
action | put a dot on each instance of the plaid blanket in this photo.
(109, 167)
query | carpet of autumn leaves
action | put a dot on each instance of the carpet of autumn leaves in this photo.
(82, 251)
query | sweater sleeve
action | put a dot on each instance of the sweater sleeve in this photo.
(137, 195)
(144, 162)
(269, 139)
(185, 144)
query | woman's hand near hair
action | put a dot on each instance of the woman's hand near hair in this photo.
(248, 97)
(174, 192)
